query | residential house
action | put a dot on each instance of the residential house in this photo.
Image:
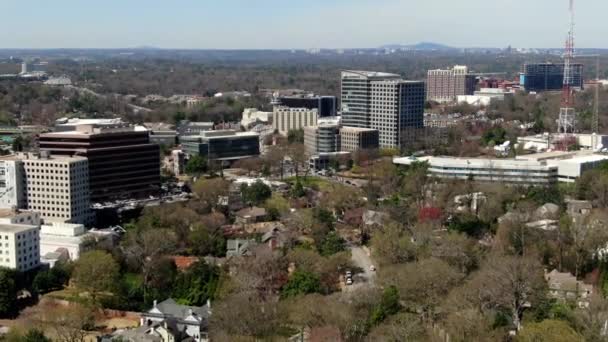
(275, 239)
(168, 322)
(250, 215)
(239, 247)
(565, 286)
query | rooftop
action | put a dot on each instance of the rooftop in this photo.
(5, 213)
(372, 74)
(15, 228)
(41, 157)
(357, 129)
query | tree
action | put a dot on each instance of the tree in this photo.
(160, 273)
(35, 335)
(298, 156)
(400, 327)
(393, 245)
(8, 292)
(256, 193)
(587, 236)
(197, 284)
(510, 283)
(301, 283)
(549, 330)
(196, 165)
(388, 306)
(206, 241)
(423, 285)
(331, 244)
(51, 280)
(68, 323)
(18, 144)
(209, 191)
(295, 136)
(95, 272)
(275, 159)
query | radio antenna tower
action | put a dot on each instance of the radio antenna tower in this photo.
(567, 115)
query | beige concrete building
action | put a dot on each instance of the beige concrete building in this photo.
(447, 85)
(355, 138)
(286, 119)
(56, 187)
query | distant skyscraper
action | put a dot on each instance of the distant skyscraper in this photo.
(384, 102)
(447, 85)
(24, 68)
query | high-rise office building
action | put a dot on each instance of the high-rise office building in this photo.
(538, 77)
(122, 161)
(357, 96)
(397, 107)
(326, 105)
(384, 102)
(447, 85)
(55, 186)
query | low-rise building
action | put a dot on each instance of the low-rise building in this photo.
(533, 169)
(186, 128)
(353, 139)
(323, 161)
(324, 138)
(253, 116)
(226, 145)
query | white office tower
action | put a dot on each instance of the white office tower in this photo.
(11, 184)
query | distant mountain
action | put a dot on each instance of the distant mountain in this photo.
(422, 46)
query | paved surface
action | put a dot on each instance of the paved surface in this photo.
(362, 260)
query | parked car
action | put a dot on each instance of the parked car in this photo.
(372, 268)
(349, 281)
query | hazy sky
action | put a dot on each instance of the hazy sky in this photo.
(235, 24)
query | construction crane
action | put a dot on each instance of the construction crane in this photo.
(567, 115)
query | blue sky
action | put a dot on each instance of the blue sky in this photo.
(235, 24)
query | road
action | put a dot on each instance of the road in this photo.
(367, 278)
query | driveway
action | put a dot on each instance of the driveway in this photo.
(365, 279)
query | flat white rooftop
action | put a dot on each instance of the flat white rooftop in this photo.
(15, 228)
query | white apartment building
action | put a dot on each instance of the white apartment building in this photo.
(19, 246)
(286, 119)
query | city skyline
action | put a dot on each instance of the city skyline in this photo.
(273, 24)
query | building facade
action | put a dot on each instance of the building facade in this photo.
(397, 107)
(19, 247)
(122, 161)
(326, 105)
(11, 184)
(324, 138)
(539, 77)
(286, 119)
(224, 145)
(58, 188)
(447, 85)
(353, 139)
(356, 91)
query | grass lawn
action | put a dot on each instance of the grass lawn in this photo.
(312, 182)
